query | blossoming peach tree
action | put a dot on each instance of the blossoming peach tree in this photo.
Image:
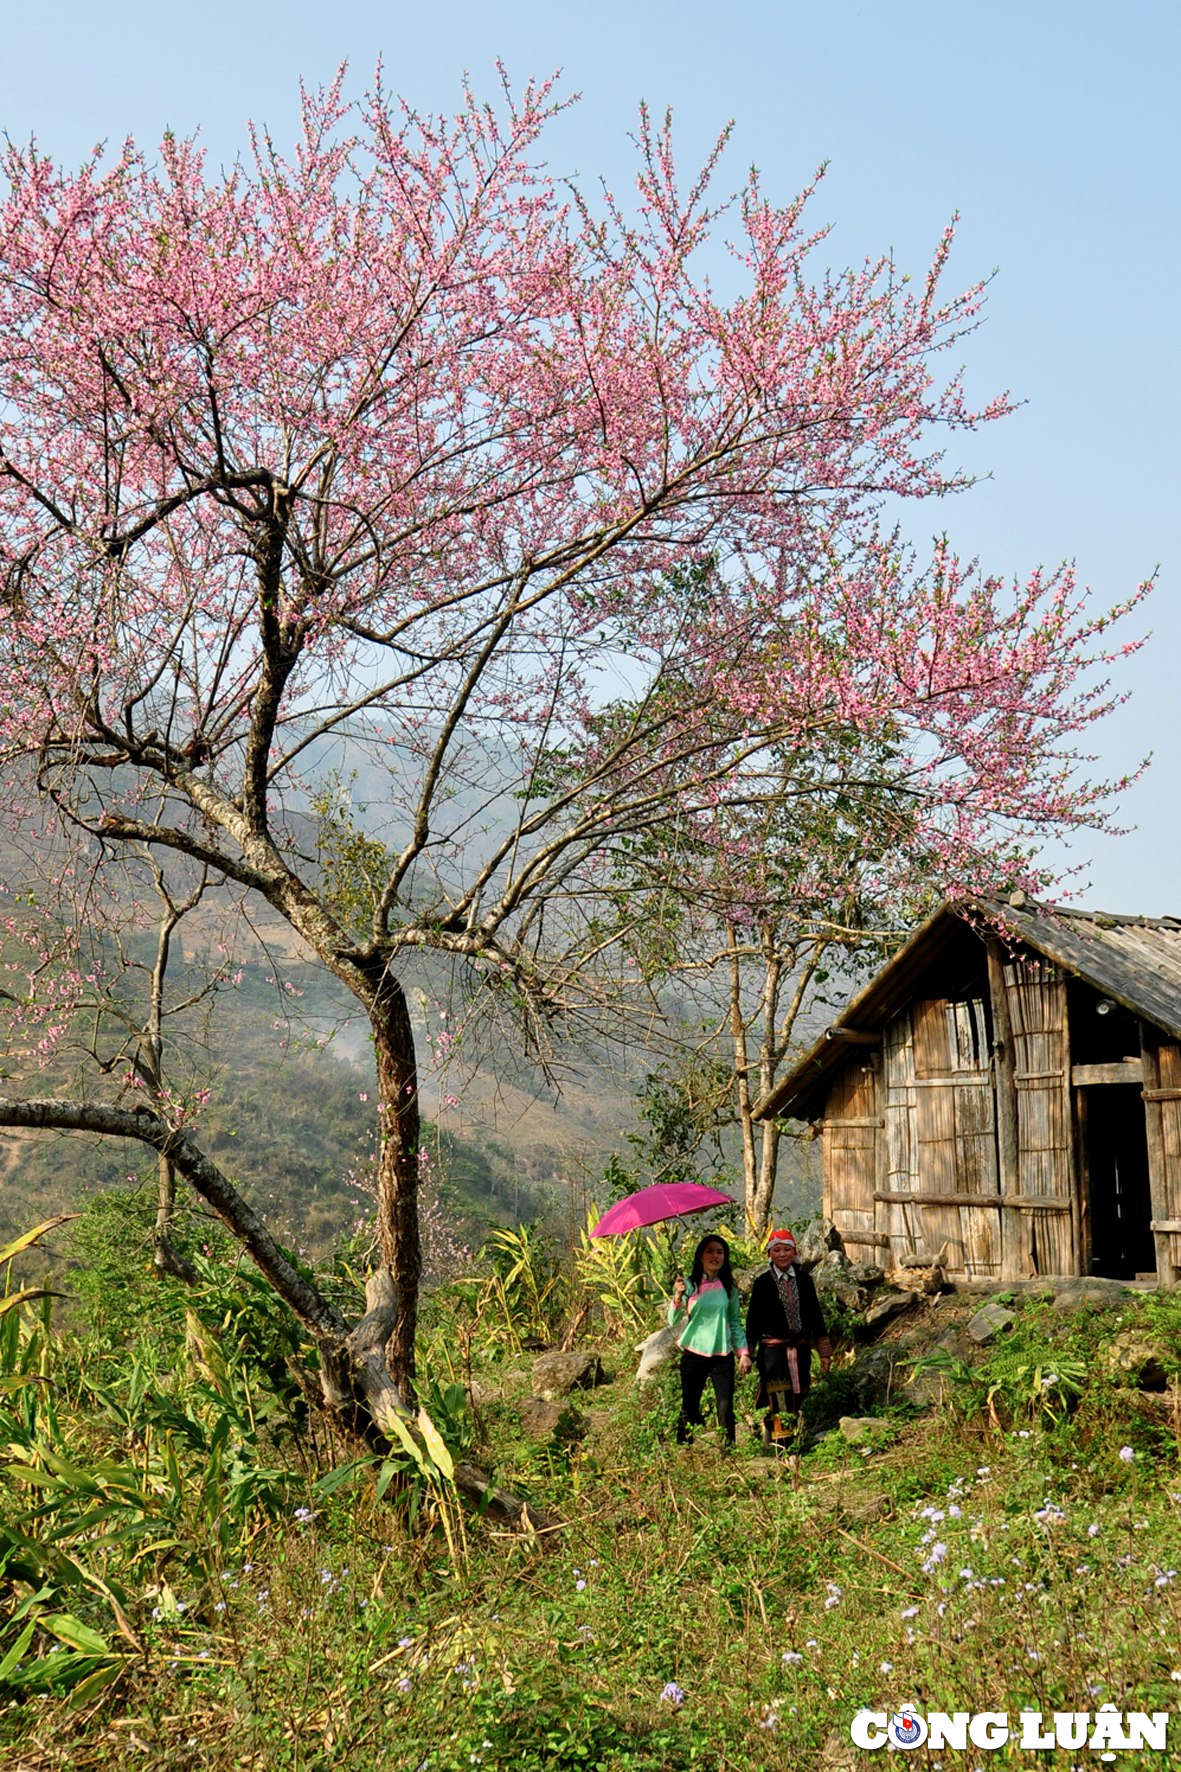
(398, 448)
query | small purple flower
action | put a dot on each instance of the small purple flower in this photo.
(1126, 1454)
(790, 1657)
(672, 1694)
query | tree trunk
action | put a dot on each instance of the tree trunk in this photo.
(742, 1083)
(758, 1207)
(399, 1168)
(167, 1259)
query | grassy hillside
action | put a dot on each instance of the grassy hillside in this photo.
(258, 1598)
(292, 1115)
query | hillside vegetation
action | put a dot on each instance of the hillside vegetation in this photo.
(195, 1574)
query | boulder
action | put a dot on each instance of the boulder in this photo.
(816, 1240)
(875, 1376)
(555, 1375)
(988, 1322)
(928, 1280)
(542, 1420)
(833, 1269)
(886, 1306)
(868, 1273)
(656, 1351)
(539, 1419)
(854, 1298)
(1137, 1362)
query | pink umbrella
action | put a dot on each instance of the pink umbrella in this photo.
(668, 1199)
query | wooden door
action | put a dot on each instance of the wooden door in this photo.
(852, 1131)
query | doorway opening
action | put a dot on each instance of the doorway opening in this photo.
(1122, 1242)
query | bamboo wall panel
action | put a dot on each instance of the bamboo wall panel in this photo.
(852, 1131)
(955, 1132)
(1045, 1151)
(1169, 1060)
(903, 1224)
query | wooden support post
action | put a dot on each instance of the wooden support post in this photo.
(1073, 1178)
(1082, 1162)
(1157, 1166)
(1005, 1091)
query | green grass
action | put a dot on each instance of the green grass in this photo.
(997, 1555)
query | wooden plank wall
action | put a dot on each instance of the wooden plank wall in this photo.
(1036, 996)
(1162, 1107)
(852, 1133)
(900, 1223)
(956, 1133)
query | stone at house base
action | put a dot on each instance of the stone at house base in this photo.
(655, 1351)
(1067, 1291)
(886, 1306)
(1088, 1290)
(555, 1375)
(868, 1273)
(858, 1428)
(988, 1323)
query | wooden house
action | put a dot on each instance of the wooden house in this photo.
(1007, 1088)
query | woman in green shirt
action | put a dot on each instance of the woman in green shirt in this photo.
(709, 1314)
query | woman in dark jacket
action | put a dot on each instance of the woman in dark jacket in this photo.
(784, 1322)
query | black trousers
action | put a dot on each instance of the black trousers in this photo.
(695, 1370)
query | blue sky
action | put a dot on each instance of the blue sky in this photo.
(1050, 126)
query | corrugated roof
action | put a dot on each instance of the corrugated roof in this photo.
(1134, 960)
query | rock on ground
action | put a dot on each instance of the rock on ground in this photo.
(886, 1306)
(988, 1322)
(554, 1375)
(655, 1352)
(541, 1419)
(856, 1428)
(1138, 1361)
(816, 1240)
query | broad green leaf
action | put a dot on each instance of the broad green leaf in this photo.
(33, 1236)
(334, 1480)
(391, 1420)
(95, 1683)
(17, 1651)
(435, 1446)
(76, 1635)
(25, 1294)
